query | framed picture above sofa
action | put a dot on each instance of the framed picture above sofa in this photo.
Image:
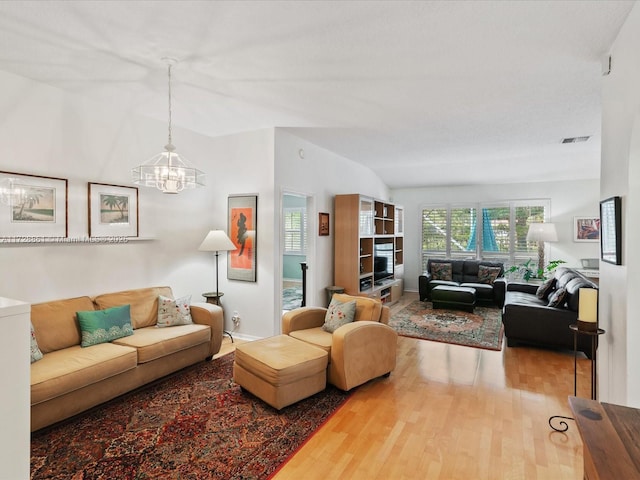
(113, 210)
(32, 207)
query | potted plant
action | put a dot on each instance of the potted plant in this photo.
(527, 272)
(544, 273)
(524, 270)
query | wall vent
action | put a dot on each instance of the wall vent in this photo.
(575, 139)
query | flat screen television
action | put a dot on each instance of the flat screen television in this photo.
(382, 261)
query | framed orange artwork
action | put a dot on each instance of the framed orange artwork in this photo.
(243, 215)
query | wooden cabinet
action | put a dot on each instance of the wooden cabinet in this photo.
(368, 250)
(14, 403)
(609, 436)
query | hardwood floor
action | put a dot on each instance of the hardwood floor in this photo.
(451, 412)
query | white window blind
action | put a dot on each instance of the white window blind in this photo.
(489, 231)
(295, 221)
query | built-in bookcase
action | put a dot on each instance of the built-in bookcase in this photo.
(368, 246)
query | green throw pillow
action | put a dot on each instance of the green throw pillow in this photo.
(338, 314)
(102, 326)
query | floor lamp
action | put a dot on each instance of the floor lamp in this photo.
(217, 241)
(541, 232)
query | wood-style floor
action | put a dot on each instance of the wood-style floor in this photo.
(451, 412)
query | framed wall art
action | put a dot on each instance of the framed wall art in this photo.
(33, 206)
(113, 210)
(323, 224)
(611, 230)
(242, 228)
(586, 229)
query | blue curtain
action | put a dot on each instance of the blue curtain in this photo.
(488, 236)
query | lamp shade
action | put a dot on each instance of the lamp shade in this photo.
(542, 232)
(216, 241)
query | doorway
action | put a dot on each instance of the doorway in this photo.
(296, 243)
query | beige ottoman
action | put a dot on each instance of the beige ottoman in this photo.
(280, 370)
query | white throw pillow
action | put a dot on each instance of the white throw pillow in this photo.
(338, 314)
(174, 312)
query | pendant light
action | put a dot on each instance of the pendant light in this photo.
(168, 171)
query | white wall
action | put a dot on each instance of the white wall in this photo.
(321, 174)
(47, 132)
(619, 355)
(568, 199)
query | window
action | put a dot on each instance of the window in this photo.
(489, 231)
(434, 230)
(463, 225)
(295, 223)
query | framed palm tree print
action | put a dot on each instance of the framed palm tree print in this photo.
(113, 211)
(33, 208)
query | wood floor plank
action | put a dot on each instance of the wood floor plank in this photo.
(451, 412)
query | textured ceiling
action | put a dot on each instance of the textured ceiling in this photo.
(424, 93)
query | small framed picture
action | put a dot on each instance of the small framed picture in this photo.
(586, 229)
(323, 224)
(33, 206)
(242, 218)
(113, 210)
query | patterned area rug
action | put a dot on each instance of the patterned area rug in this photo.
(480, 329)
(196, 424)
(291, 298)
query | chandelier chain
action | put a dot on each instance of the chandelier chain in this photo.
(169, 104)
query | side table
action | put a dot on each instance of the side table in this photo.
(594, 370)
(214, 299)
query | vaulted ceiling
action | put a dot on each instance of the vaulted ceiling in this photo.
(422, 92)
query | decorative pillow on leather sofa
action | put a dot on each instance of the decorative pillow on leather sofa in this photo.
(558, 297)
(487, 274)
(102, 326)
(546, 288)
(442, 271)
(174, 312)
(338, 314)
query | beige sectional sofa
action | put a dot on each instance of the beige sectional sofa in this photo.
(70, 379)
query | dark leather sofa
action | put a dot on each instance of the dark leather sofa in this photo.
(528, 319)
(465, 274)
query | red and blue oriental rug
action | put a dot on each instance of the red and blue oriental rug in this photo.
(480, 329)
(196, 424)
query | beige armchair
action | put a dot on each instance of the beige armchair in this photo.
(359, 351)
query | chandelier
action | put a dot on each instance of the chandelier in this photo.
(10, 194)
(168, 171)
